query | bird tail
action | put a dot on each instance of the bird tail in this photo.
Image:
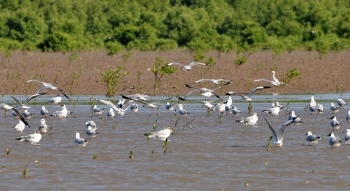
(20, 139)
(150, 135)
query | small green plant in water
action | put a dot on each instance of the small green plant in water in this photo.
(250, 108)
(36, 162)
(131, 154)
(94, 156)
(25, 171)
(8, 151)
(112, 79)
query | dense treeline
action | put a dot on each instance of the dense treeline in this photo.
(223, 25)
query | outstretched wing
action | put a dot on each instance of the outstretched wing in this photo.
(110, 104)
(196, 63)
(272, 130)
(256, 89)
(175, 63)
(283, 127)
(20, 116)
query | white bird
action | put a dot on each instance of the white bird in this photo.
(32, 138)
(319, 108)
(248, 97)
(277, 139)
(79, 141)
(334, 108)
(208, 105)
(347, 136)
(186, 67)
(169, 107)
(347, 117)
(296, 118)
(55, 100)
(44, 112)
(162, 134)
(27, 114)
(43, 126)
(92, 124)
(5, 107)
(334, 123)
(341, 103)
(274, 110)
(182, 111)
(235, 111)
(274, 81)
(312, 139)
(207, 93)
(121, 103)
(110, 113)
(251, 120)
(96, 110)
(90, 132)
(313, 105)
(45, 85)
(136, 97)
(333, 141)
(215, 81)
(62, 113)
(19, 126)
(120, 111)
(134, 107)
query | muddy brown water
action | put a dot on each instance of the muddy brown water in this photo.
(215, 154)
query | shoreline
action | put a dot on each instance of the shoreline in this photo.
(80, 73)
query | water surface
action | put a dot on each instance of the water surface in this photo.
(215, 154)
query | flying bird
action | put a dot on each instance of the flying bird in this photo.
(45, 85)
(186, 67)
(277, 139)
(215, 81)
(274, 81)
(248, 97)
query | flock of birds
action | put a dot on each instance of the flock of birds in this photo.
(131, 102)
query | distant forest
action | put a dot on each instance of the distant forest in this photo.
(200, 25)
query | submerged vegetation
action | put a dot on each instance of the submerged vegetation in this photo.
(201, 25)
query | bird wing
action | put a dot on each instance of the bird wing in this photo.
(286, 84)
(265, 80)
(33, 96)
(283, 127)
(202, 80)
(18, 102)
(65, 95)
(256, 89)
(272, 130)
(175, 63)
(196, 63)
(20, 116)
(110, 104)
